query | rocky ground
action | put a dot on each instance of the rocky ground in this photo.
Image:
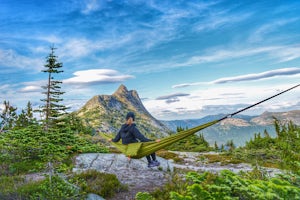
(136, 174)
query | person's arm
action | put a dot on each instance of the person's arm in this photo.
(117, 138)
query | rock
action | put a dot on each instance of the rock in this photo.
(94, 197)
(110, 162)
(134, 173)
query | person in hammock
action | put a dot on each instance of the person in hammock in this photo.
(129, 133)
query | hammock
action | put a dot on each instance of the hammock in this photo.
(141, 149)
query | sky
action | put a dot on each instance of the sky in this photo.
(186, 59)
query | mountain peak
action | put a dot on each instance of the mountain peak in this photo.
(121, 90)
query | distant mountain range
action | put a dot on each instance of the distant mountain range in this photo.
(240, 129)
(107, 113)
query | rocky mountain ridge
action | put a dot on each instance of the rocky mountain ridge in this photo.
(240, 129)
(265, 119)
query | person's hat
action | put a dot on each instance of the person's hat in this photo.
(130, 114)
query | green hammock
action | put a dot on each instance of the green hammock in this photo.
(141, 149)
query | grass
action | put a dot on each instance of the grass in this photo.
(169, 155)
(222, 158)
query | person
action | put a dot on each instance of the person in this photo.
(129, 133)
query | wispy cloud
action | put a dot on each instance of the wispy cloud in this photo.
(247, 77)
(221, 18)
(259, 76)
(266, 29)
(171, 98)
(221, 55)
(216, 55)
(31, 88)
(90, 6)
(9, 58)
(97, 76)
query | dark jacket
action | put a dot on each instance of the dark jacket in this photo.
(130, 134)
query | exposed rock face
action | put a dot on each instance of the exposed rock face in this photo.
(234, 122)
(107, 113)
(267, 118)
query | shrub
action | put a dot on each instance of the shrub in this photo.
(15, 187)
(92, 181)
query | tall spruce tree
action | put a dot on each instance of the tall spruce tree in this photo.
(52, 109)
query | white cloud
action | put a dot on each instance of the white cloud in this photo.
(31, 88)
(259, 76)
(97, 76)
(52, 39)
(218, 19)
(221, 55)
(287, 54)
(248, 77)
(91, 6)
(265, 29)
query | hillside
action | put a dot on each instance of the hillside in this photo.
(107, 113)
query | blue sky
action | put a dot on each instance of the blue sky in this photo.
(186, 59)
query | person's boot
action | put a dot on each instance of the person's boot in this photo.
(156, 162)
(151, 164)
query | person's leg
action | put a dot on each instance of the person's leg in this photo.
(148, 159)
(150, 162)
(153, 156)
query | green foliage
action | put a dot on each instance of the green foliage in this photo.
(223, 158)
(29, 149)
(193, 143)
(92, 181)
(8, 117)
(169, 155)
(15, 187)
(50, 188)
(55, 187)
(52, 109)
(143, 196)
(281, 151)
(228, 185)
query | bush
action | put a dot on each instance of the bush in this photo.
(92, 181)
(31, 148)
(227, 185)
(15, 187)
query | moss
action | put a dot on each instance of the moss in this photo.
(169, 155)
(222, 158)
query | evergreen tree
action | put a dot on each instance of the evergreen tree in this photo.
(266, 134)
(8, 117)
(222, 147)
(230, 145)
(52, 109)
(26, 118)
(216, 146)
